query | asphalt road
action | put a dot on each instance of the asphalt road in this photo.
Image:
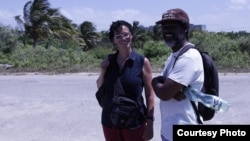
(37, 107)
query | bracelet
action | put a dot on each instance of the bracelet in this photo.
(150, 118)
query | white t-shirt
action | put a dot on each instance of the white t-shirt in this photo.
(188, 70)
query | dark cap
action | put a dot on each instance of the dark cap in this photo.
(176, 14)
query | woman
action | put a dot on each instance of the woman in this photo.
(134, 71)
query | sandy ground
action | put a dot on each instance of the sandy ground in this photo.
(36, 107)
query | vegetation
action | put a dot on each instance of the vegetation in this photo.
(46, 41)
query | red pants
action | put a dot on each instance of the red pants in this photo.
(114, 134)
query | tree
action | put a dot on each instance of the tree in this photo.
(140, 35)
(8, 40)
(42, 22)
(89, 34)
(36, 17)
(155, 33)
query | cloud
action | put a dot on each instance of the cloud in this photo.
(133, 15)
(7, 18)
(226, 21)
(103, 19)
(79, 15)
(239, 4)
(232, 16)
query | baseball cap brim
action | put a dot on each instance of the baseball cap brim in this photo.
(165, 21)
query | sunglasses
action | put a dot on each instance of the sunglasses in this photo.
(121, 36)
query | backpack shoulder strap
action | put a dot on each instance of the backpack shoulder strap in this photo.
(196, 112)
(182, 51)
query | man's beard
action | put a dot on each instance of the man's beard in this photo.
(172, 40)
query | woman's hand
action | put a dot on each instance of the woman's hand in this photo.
(103, 65)
(148, 132)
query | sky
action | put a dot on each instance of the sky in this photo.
(217, 15)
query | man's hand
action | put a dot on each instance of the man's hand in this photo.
(157, 79)
(179, 96)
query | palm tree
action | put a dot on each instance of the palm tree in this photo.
(140, 35)
(89, 34)
(155, 33)
(36, 17)
(42, 22)
(63, 29)
(21, 29)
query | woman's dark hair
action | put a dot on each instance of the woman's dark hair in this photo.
(114, 27)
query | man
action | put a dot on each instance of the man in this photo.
(175, 108)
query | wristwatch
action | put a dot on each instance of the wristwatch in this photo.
(150, 118)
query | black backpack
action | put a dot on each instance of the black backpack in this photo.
(210, 86)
